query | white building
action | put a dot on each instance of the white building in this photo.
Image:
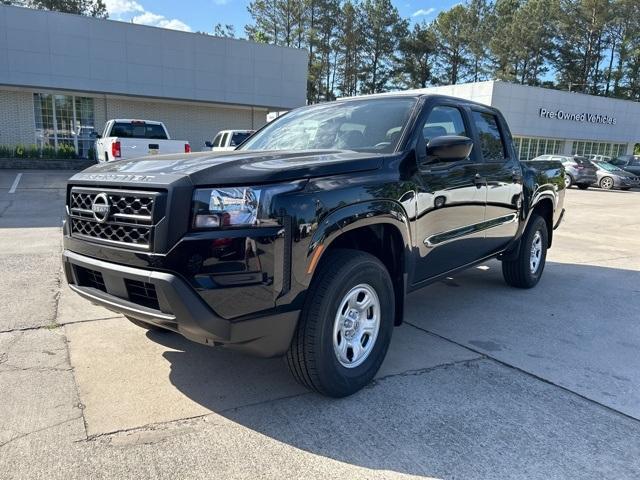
(62, 76)
(545, 121)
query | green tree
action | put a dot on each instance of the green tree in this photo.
(382, 30)
(417, 54)
(349, 39)
(91, 8)
(453, 53)
(227, 30)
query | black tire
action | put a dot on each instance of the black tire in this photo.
(583, 186)
(606, 183)
(311, 357)
(568, 180)
(146, 326)
(517, 272)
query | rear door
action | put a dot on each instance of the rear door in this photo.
(450, 198)
(501, 170)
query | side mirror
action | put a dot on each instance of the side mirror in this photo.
(208, 144)
(448, 148)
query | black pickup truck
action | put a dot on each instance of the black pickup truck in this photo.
(305, 241)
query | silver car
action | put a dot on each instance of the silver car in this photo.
(610, 177)
(578, 170)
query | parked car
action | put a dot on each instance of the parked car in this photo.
(228, 140)
(598, 158)
(124, 139)
(306, 240)
(611, 176)
(578, 170)
(630, 163)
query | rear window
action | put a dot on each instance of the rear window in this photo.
(238, 138)
(583, 161)
(491, 141)
(138, 130)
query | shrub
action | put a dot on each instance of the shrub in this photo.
(20, 151)
(48, 152)
(33, 151)
(91, 154)
(6, 151)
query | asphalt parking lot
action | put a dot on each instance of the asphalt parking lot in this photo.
(483, 381)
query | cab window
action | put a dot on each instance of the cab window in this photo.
(443, 120)
(491, 142)
(216, 141)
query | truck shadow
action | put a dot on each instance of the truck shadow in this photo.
(454, 420)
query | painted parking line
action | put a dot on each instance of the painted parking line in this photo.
(15, 183)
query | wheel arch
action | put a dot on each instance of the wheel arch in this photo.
(380, 228)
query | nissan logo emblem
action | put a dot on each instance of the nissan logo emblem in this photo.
(100, 207)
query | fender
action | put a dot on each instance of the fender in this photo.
(544, 192)
(358, 215)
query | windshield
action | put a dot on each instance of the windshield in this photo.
(371, 125)
(608, 167)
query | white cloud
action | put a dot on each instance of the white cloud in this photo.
(155, 20)
(423, 12)
(130, 10)
(118, 8)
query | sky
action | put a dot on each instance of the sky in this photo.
(202, 15)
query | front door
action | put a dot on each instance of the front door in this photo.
(451, 200)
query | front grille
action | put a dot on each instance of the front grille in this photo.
(128, 220)
(138, 236)
(90, 278)
(142, 293)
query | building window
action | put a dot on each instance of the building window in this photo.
(64, 120)
(584, 148)
(528, 147)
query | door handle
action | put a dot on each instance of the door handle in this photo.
(479, 180)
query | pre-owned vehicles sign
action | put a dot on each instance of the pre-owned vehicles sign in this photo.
(577, 117)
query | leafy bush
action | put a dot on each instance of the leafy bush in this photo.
(91, 154)
(47, 151)
(33, 151)
(20, 151)
(6, 151)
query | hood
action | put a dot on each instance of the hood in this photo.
(234, 168)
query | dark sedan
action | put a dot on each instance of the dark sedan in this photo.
(611, 176)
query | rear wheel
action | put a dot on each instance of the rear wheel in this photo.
(345, 326)
(583, 186)
(526, 269)
(568, 181)
(606, 183)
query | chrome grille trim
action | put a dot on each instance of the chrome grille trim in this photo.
(129, 224)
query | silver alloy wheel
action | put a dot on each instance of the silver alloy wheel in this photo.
(606, 183)
(356, 326)
(567, 181)
(536, 252)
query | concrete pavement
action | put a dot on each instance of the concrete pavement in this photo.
(484, 381)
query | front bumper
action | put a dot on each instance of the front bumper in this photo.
(176, 306)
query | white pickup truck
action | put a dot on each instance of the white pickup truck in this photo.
(123, 139)
(228, 140)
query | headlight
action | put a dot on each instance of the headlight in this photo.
(234, 206)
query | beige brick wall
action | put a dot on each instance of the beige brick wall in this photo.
(185, 121)
(17, 124)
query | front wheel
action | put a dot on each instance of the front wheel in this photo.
(526, 269)
(345, 326)
(606, 183)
